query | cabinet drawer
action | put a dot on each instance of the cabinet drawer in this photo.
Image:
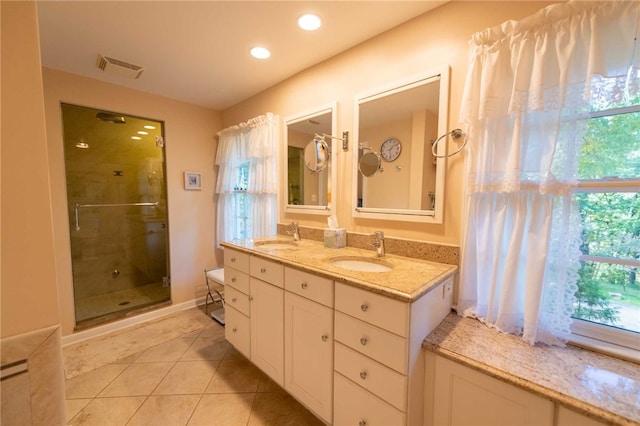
(386, 383)
(354, 405)
(389, 314)
(238, 300)
(236, 259)
(308, 285)
(237, 330)
(236, 279)
(387, 348)
(267, 271)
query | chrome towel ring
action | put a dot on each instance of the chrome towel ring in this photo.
(455, 134)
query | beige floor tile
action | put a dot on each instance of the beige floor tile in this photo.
(231, 409)
(279, 408)
(206, 348)
(137, 379)
(90, 384)
(214, 330)
(233, 353)
(235, 376)
(108, 411)
(74, 406)
(187, 377)
(171, 350)
(268, 385)
(174, 410)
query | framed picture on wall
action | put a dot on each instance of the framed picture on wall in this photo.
(192, 180)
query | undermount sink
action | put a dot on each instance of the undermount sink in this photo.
(276, 245)
(361, 264)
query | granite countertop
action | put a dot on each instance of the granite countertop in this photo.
(599, 386)
(407, 281)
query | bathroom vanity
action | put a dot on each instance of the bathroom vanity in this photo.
(339, 329)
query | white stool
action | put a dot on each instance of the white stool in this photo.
(214, 275)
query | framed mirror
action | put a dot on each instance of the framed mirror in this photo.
(310, 163)
(395, 127)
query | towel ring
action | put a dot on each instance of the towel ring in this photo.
(455, 134)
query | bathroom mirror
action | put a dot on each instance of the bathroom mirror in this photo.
(316, 155)
(310, 162)
(401, 121)
(370, 163)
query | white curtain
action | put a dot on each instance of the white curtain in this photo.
(528, 89)
(255, 145)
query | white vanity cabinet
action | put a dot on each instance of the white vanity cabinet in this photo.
(237, 310)
(459, 395)
(308, 329)
(379, 363)
(254, 315)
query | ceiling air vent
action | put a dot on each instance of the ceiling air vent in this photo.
(116, 66)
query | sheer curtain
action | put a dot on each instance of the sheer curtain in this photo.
(252, 146)
(528, 91)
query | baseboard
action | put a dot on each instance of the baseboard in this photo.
(129, 322)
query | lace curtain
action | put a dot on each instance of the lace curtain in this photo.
(254, 146)
(529, 88)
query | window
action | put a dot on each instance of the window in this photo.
(241, 216)
(608, 194)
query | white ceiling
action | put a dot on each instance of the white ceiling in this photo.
(198, 51)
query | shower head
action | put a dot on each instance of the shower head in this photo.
(111, 118)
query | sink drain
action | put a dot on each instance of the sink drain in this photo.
(123, 303)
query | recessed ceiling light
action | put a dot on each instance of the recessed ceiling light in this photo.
(82, 144)
(309, 22)
(142, 132)
(149, 127)
(137, 138)
(260, 52)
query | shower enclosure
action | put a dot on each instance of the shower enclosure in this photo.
(117, 203)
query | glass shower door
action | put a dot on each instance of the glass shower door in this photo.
(118, 226)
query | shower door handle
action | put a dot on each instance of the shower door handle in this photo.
(78, 206)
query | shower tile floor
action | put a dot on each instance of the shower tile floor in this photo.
(89, 308)
(194, 379)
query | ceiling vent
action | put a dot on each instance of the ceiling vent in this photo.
(115, 66)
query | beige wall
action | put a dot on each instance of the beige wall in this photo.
(29, 291)
(190, 135)
(436, 38)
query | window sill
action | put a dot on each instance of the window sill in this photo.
(606, 348)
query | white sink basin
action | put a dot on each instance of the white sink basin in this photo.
(276, 245)
(361, 264)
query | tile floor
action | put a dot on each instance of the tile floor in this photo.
(196, 379)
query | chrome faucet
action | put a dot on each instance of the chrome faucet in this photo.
(379, 243)
(294, 230)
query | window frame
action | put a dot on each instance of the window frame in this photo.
(605, 338)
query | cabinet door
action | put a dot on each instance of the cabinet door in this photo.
(308, 369)
(267, 328)
(568, 417)
(237, 330)
(464, 396)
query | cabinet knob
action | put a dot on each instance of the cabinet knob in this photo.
(233, 260)
(362, 423)
(364, 307)
(234, 329)
(363, 375)
(250, 298)
(304, 285)
(363, 341)
(324, 337)
(233, 279)
(233, 299)
(263, 270)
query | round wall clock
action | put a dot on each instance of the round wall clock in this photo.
(390, 149)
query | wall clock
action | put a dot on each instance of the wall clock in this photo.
(390, 149)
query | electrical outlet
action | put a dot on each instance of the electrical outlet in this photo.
(447, 289)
